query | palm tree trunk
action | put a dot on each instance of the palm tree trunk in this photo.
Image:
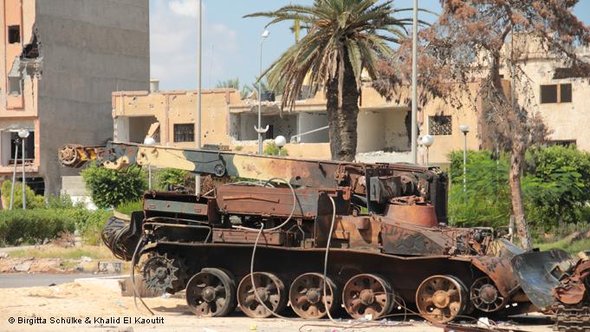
(342, 116)
(516, 164)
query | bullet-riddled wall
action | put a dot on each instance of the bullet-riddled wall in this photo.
(73, 55)
(175, 113)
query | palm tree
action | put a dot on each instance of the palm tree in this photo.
(343, 39)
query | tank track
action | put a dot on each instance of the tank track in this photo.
(569, 319)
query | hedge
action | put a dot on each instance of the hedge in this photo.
(36, 225)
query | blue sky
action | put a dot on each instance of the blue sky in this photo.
(231, 44)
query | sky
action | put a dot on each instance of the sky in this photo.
(231, 43)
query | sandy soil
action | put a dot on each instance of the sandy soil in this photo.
(96, 305)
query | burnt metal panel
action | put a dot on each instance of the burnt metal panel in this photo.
(175, 207)
(273, 238)
(539, 273)
(267, 201)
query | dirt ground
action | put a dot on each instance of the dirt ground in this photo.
(97, 305)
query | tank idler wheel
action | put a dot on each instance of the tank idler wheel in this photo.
(307, 296)
(485, 295)
(272, 296)
(441, 298)
(367, 294)
(211, 293)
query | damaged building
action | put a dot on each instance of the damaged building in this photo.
(61, 60)
(228, 120)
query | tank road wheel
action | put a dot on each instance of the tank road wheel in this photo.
(271, 291)
(367, 294)
(440, 298)
(307, 296)
(485, 295)
(211, 292)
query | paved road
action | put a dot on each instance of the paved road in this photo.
(17, 280)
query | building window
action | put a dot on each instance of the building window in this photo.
(14, 34)
(440, 125)
(565, 93)
(15, 87)
(184, 132)
(556, 93)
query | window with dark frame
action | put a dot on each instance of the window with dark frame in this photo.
(14, 34)
(440, 125)
(184, 132)
(565, 93)
(556, 93)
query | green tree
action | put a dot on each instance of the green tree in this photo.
(343, 38)
(557, 186)
(486, 199)
(109, 188)
(485, 39)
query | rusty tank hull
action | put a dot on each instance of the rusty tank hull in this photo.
(313, 235)
(370, 265)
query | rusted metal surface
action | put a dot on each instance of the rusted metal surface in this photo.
(367, 296)
(539, 273)
(307, 296)
(409, 212)
(575, 288)
(273, 238)
(500, 272)
(175, 207)
(441, 298)
(400, 238)
(264, 201)
(261, 294)
(381, 226)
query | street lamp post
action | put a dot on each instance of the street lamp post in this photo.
(148, 140)
(280, 141)
(16, 143)
(464, 129)
(23, 134)
(427, 141)
(259, 129)
(414, 131)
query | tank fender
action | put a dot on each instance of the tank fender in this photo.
(498, 269)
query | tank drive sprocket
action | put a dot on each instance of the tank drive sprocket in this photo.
(165, 273)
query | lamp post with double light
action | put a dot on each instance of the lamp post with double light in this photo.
(23, 134)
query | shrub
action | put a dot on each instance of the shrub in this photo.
(60, 202)
(33, 201)
(486, 200)
(109, 188)
(129, 207)
(167, 178)
(271, 149)
(34, 226)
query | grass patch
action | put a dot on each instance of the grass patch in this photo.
(94, 252)
(569, 246)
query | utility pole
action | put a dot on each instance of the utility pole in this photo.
(414, 138)
(199, 87)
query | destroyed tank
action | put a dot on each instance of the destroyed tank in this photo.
(314, 235)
